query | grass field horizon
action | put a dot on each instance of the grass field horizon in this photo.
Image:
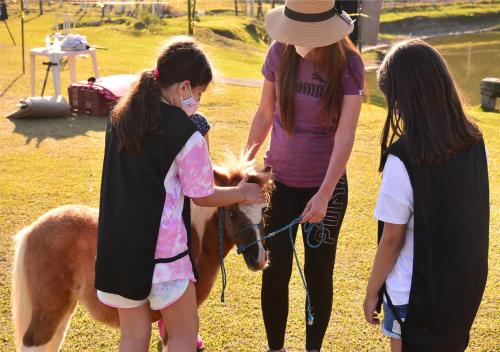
(47, 163)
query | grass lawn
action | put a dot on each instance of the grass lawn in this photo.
(47, 163)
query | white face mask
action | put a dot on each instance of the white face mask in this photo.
(303, 50)
(190, 105)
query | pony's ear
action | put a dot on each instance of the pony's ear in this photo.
(262, 177)
(266, 170)
(221, 177)
(266, 174)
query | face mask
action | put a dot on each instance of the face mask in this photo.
(190, 105)
(303, 50)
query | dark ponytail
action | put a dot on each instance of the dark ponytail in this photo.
(137, 114)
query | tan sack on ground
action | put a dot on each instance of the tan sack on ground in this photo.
(41, 107)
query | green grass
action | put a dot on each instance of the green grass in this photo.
(443, 10)
(47, 163)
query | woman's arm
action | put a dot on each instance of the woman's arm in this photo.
(263, 119)
(245, 192)
(391, 243)
(316, 208)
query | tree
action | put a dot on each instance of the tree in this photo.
(40, 3)
(260, 13)
(191, 15)
(236, 7)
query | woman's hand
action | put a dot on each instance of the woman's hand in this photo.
(251, 192)
(370, 309)
(315, 209)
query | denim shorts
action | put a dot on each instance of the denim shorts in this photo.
(390, 325)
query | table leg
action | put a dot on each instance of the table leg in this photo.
(32, 73)
(56, 76)
(94, 63)
(72, 69)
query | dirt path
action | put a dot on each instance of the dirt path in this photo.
(243, 82)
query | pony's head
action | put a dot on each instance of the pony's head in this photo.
(244, 223)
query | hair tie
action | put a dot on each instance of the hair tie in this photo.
(156, 73)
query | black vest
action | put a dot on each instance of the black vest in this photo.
(450, 263)
(131, 206)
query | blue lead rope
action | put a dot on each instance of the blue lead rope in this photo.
(308, 229)
(222, 218)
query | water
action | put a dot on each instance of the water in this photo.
(470, 57)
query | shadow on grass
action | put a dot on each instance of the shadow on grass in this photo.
(32, 18)
(38, 130)
(2, 93)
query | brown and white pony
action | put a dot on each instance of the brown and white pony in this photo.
(54, 261)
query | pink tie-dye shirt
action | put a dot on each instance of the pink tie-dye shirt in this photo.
(191, 175)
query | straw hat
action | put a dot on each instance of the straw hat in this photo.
(309, 23)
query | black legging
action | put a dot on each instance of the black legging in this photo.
(287, 203)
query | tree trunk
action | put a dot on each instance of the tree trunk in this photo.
(260, 13)
(193, 12)
(40, 3)
(190, 17)
(236, 7)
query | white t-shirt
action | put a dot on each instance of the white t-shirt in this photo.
(395, 206)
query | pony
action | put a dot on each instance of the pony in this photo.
(54, 260)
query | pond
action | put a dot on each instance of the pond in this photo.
(470, 57)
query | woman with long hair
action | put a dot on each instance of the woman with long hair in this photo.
(311, 100)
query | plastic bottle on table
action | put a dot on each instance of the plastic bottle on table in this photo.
(57, 44)
(47, 42)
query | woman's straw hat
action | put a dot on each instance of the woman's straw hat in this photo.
(309, 23)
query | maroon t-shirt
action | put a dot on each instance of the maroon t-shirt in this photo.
(301, 159)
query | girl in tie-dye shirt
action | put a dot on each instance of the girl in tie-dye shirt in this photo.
(155, 161)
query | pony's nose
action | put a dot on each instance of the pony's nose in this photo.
(254, 260)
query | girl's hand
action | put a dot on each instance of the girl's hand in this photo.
(251, 192)
(369, 308)
(315, 209)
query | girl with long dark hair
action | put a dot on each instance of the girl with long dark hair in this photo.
(155, 161)
(433, 209)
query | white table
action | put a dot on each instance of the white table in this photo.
(55, 57)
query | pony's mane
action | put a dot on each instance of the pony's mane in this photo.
(234, 166)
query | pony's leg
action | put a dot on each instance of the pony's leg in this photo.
(49, 318)
(97, 310)
(56, 342)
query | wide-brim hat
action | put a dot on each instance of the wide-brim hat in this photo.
(309, 23)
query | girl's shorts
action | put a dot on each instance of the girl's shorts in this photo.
(390, 325)
(162, 295)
